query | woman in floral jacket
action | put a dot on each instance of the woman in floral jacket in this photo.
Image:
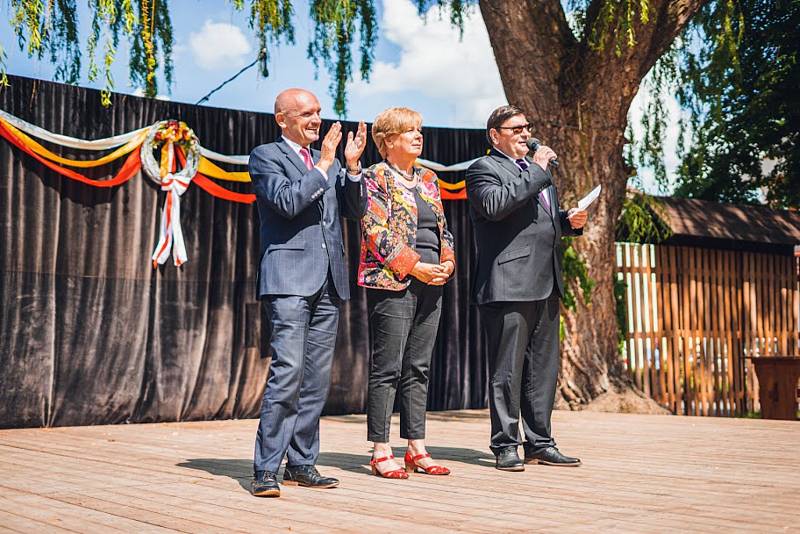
(406, 258)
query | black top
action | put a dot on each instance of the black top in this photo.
(427, 231)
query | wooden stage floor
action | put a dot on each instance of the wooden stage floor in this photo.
(640, 473)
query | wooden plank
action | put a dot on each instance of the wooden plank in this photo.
(664, 304)
(193, 477)
(678, 347)
(768, 288)
(646, 354)
(728, 322)
(796, 309)
(741, 320)
(711, 334)
(636, 308)
(719, 323)
(786, 311)
(692, 321)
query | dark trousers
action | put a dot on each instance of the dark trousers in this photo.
(403, 327)
(524, 359)
(303, 340)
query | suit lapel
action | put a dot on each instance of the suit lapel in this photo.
(293, 157)
(548, 192)
(504, 162)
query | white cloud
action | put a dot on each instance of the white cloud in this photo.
(219, 45)
(437, 64)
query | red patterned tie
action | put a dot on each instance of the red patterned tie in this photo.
(306, 155)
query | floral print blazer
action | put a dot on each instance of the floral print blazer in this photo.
(389, 228)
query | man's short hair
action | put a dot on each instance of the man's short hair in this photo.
(499, 116)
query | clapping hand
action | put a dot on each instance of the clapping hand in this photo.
(329, 145)
(355, 147)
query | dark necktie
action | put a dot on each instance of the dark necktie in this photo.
(542, 196)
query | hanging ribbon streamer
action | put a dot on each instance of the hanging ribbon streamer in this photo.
(176, 142)
(126, 172)
(175, 184)
(65, 140)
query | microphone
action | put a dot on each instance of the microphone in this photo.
(533, 146)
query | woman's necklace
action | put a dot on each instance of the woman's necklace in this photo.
(408, 180)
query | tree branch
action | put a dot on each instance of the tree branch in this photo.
(623, 69)
(530, 40)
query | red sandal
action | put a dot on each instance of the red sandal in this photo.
(412, 465)
(395, 473)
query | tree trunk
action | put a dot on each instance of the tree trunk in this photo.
(577, 100)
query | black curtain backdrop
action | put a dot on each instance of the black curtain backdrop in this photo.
(90, 333)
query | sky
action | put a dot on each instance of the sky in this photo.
(213, 41)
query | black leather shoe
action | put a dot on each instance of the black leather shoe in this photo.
(507, 459)
(551, 456)
(265, 484)
(308, 476)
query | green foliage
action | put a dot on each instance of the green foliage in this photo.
(52, 27)
(334, 29)
(458, 10)
(153, 30)
(736, 73)
(272, 21)
(746, 89)
(50, 32)
(615, 24)
(661, 79)
(641, 220)
(574, 269)
(607, 23)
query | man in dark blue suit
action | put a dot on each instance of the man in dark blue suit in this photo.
(302, 281)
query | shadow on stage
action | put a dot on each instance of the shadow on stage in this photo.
(242, 470)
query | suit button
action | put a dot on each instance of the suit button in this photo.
(323, 245)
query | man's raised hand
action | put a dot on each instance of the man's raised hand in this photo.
(355, 147)
(329, 145)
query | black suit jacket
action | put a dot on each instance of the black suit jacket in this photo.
(301, 230)
(517, 238)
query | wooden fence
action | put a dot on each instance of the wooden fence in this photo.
(694, 318)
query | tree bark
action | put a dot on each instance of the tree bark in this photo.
(577, 99)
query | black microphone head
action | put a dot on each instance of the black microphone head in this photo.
(533, 144)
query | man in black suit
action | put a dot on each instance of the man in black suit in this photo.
(302, 281)
(518, 285)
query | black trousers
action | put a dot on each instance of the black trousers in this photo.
(524, 361)
(403, 327)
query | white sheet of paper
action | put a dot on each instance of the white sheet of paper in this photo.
(586, 201)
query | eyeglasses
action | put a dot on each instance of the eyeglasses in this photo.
(516, 130)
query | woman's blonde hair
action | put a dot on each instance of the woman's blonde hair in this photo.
(393, 121)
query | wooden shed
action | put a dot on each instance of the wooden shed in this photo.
(721, 290)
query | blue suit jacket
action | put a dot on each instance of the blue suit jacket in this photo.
(301, 230)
